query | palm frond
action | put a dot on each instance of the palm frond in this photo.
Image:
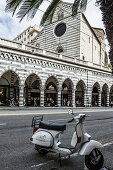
(75, 7)
(83, 5)
(50, 11)
(12, 5)
(29, 8)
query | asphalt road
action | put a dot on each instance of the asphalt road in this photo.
(17, 153)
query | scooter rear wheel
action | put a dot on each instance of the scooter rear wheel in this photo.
(95, 160)
(41, 150)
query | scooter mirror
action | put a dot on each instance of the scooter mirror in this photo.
(70, 112)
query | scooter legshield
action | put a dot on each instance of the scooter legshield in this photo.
(43, 138)
(89, 146)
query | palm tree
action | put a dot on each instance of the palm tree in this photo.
(30, 7)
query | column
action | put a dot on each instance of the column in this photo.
(107, 102)
(21, 95)
(73, 97)
(42, 97)
(99, 99)
(85, 98)
(59, 97)
(89, 97)
(11, 92)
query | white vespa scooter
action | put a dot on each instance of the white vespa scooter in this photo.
(47, 139)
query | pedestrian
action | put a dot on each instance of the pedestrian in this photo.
(24, 101)
(64, 102)
(12, 101)
(111, 103)
(35, 102)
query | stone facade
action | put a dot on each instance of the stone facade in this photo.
(43, 77)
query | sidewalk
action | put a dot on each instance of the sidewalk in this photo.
(48, 108)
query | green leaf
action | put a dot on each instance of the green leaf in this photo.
(29, 8)
(49, 12)
(75, 7)
(83, 5)
(12, 5)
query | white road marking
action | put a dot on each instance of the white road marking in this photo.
(35, 166)
(42, 164)
(3, 124)
(107, 144)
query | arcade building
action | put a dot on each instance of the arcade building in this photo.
(62, 64)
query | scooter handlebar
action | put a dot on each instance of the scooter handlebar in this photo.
(71, 120)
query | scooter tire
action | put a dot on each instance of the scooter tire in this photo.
(90, 161)
(41, 150)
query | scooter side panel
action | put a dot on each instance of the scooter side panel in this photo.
(89, 146)
(43, 138)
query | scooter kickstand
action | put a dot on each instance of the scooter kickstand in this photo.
(60, 160)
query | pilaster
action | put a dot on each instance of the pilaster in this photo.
(59, 97)
(42, 97)
(21, 95)
(99, 99)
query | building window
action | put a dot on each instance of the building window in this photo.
(89, 39)
(106, 60)
(60, 49)
(60, 29)
(83, 57)
(60, 15)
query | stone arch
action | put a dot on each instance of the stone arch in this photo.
(80, 93)
(11, 70)
(9, 87)
(32, 88)
(95, 94)
(51, 91)
(105, 90)
(66, 93)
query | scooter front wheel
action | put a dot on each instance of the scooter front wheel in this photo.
(41, 150)
(95, 160)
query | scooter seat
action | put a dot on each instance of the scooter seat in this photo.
(52, 126)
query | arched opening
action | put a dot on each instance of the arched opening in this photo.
(95, 95)
(66, 96)
(104, 95)
(9, 89)
(50, 93)
(111, 96)
(60, 49)
(79, 94)
(32, 91)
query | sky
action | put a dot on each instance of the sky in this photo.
(10, 26)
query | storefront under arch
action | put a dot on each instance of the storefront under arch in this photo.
(32, 90)
(79, 93)
(9, 88)
(66, 95)
(104, 95)
(95, 94)
(51, 92)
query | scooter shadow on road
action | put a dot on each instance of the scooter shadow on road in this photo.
(51, 162)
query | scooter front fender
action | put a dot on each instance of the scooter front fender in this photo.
(89, 146)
